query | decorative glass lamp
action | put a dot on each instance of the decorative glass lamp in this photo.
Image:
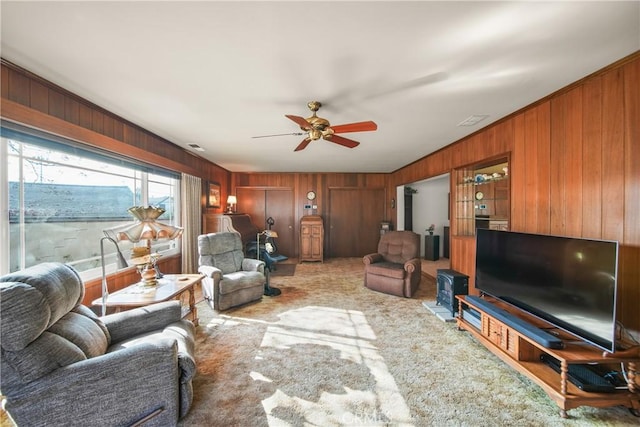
(147, 227)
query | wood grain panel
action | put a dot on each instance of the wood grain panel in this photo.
(56, 104)
(613, 182)
(97, 121)
(592, 158)
(531, 169)
(629, 271)
(72, 111)
(517, 180)
(543, 161)
(4, 82)
(632, 156)
(39, 97)
(19, 88)
(86, 117)
(573, 164)
(557, 174)
(354, 221)
(463, 258)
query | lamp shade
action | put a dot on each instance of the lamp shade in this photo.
(232, 200)
(146, 228)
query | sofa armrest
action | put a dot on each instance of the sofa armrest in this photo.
(372, 258)
(210, 271)
(250, 264)
(414, 264)
(122, 387)
(140, 320)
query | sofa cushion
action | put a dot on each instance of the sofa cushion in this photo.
(43, 325)
(233, 282)
(20, 301)
(183, 332)
(59, 286)
(387, 269)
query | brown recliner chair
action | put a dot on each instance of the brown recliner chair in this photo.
(396, 268)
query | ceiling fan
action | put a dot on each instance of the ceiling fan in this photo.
(316, 127)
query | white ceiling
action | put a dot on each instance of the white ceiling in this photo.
(217, 73)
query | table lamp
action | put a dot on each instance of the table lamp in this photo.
(147, 227)
(231, 204)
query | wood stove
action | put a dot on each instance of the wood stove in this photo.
(451, 283)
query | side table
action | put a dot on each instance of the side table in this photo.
(432, 247)
(171, 286)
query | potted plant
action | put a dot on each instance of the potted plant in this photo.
(431, 228)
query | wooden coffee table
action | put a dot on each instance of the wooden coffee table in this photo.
(171, 286)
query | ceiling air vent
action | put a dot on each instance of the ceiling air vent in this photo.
(472, 120)
(196, 147)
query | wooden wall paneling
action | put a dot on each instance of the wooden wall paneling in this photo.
(72, 111)
(517, 175)
(629, 281)
(97, 121)
(613, 176)
(4, 82)
(56, 104)
(19, 88)
(573, 163)
(632, 156)
(108, 125)
(592, 159)
(557, 162)
(39, 97)
(531, 144)
(543, 162)
(353, 224)
(86, 118)
(463, 258)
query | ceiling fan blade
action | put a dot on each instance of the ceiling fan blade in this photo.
(303, 144)
(301, 121)
(350, 143)
(355, 127)
(279, 134)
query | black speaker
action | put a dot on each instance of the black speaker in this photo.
(451, 283)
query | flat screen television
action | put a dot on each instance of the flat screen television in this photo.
(569, 282)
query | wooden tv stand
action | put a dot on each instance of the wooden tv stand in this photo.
(524, 355)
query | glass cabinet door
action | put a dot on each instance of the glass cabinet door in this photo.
(481, 198)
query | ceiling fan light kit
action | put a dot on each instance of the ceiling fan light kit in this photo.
(317, 127)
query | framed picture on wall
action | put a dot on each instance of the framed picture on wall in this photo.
(213, 197)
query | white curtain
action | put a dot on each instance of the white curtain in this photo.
(191, 193)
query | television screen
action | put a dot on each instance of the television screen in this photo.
(569, 282)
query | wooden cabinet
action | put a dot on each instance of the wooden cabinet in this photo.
(431, 247)
(525, 355)
(311, 238)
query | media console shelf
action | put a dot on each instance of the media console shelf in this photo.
(514, 346)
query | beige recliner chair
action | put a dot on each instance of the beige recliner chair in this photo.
(396, 267)
(230, 278)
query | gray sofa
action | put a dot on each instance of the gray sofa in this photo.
(64, 366)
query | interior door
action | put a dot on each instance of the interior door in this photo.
(280, 207)
(354, 221)
(278, 204)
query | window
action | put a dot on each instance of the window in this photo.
(61, 197)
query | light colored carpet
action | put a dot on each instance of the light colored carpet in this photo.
(329, 352)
